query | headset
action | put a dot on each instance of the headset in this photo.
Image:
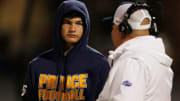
(125, 26)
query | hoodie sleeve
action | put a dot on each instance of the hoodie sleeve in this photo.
(126, 82)
(28, 91)
(103, 74)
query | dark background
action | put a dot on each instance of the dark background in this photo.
(27, 27)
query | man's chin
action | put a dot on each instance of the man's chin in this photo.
(72, 41)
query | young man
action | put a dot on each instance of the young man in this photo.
(140, 67)
(72, 71)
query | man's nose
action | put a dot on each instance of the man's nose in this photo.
(72, 27)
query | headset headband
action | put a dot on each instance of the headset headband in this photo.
(134, 7)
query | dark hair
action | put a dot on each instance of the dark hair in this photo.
(73, 14)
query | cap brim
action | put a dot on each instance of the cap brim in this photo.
(107, 22)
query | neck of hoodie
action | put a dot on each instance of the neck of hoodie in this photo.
(68, 48)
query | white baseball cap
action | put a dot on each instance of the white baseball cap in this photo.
(135, 18)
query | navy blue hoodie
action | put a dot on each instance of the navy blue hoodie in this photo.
(78, 76)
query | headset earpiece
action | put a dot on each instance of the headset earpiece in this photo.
(125, 27)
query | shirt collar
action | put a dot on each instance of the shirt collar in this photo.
(125, 46)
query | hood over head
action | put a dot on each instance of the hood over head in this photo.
(64, 8)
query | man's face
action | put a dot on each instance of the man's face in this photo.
(72, 30)
(117, 37)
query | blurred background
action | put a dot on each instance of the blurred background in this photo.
(27, 27)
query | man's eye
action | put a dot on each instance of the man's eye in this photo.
(66, 22)
(79, 23)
